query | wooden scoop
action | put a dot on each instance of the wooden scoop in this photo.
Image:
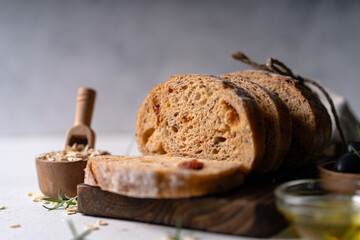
(81, 133)
(66, 175)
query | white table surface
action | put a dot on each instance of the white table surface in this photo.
(18, 177)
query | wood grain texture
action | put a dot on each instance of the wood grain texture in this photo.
(248, 211)
(64, 175)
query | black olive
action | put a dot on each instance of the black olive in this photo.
(349, 163)
(353, 145)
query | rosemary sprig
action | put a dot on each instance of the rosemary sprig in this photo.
(60, 201)
(358, 130)
(356, 152)
(177, 236)
(178, 224)
(75, 234)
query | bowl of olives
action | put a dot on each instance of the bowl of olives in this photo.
(343, 175)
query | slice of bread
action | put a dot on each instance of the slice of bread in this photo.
(310, 121)
(202, 117)
(161, 176)
(278, 130)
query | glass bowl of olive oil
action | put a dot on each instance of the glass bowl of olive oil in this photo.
(319, 213)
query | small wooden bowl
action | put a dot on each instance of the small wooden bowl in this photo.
(56, 175)
(338, 181)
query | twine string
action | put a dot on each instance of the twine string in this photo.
(275, 66)
(244, 59)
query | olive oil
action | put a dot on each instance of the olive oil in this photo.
(319, 231)
(330, 227)
(318, 213)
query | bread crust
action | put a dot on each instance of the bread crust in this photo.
(278, 129)
(217, 120)
(310, 120)
(160, 176)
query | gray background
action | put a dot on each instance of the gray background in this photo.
(48, 49)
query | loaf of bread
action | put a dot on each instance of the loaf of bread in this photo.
(278, 130)
(202, 117)
(161, 176)
(311, 123)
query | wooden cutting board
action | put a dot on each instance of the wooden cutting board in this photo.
(247, 211)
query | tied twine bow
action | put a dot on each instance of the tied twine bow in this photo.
(278, 67)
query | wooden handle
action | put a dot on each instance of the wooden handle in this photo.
(84, 106)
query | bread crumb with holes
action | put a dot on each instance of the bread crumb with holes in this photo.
(14, 226)
(2, 207)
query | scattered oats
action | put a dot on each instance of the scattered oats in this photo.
(79, 154)
(71, 210)
(101, 223)
(42, 156)
(36, 196)
(190, 237)
(45, 202)
(69, 213)
(91, 227)
(2, 207)
(71, 154)
(76, 152)
(14, 226)
(86, 148)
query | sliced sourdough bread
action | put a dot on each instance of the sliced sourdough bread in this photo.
(278, 130)
(310, 121)
(161, 176)
(202, 117)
